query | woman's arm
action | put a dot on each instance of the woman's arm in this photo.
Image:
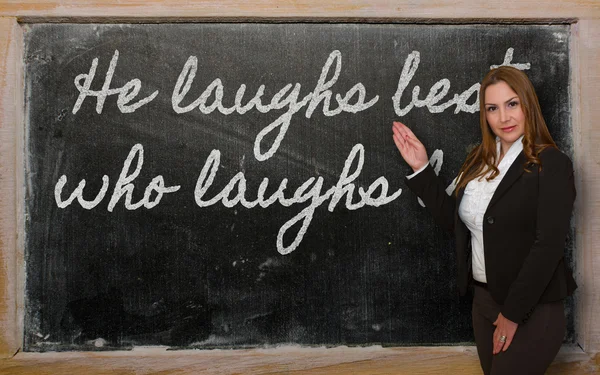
(556, 194)
(429, 187)
(425, 184)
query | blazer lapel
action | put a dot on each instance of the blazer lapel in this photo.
(514, 172)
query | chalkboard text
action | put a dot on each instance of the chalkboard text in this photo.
(289, 99)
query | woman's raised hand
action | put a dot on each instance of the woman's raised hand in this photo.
(411, 149)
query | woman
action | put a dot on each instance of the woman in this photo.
(510, 214)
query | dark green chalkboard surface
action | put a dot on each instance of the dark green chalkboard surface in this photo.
(236, 185)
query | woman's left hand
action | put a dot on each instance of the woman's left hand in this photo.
(506, 328)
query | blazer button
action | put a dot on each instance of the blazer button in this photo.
(490, 220)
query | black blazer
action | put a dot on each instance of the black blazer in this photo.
(524, 232)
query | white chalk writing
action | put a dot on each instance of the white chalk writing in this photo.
(124, 186)
(310, 190)
(282, 99)
(126, 93)
(290, 100)
(440, 89)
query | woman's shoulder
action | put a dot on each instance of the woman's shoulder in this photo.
(552, 159)
(553, 154)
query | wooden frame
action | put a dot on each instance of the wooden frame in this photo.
(585, 58)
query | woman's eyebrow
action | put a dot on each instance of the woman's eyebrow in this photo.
(513, 98)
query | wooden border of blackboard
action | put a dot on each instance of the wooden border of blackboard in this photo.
(585, 90)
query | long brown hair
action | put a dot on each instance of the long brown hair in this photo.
(482, 159)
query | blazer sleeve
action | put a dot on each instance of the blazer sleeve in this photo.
(429, 187)
(556, 195)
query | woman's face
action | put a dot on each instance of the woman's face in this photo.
(504, 113)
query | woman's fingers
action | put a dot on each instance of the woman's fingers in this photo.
(509, 339)
(400, 144)
(502, 341)
(503, 334)
(406, 150)
(414, 143)
(497, 342)
(403, 129)
(399, 128)
(411, 149)
(400, 132)
(407, 134)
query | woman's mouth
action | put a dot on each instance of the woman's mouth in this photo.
(509, 129)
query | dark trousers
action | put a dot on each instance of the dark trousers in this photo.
(534, 345)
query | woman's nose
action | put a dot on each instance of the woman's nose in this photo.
(503, 115)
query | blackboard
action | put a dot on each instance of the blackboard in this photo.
(159, 119)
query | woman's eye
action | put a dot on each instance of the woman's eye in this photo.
(491, 109)
(513, 104)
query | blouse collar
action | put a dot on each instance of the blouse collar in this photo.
(514, 150)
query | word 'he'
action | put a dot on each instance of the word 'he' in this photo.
(126, 93)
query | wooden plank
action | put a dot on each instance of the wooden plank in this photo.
(588, 204)
(11, 109)
(313, 9)
(290, 360)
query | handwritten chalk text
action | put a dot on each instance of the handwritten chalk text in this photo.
(126, 93)
(440, 89)
(290, 101)
(124, 186)
(310, 190)
(282, 99)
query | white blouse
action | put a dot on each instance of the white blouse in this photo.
(477, 197)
